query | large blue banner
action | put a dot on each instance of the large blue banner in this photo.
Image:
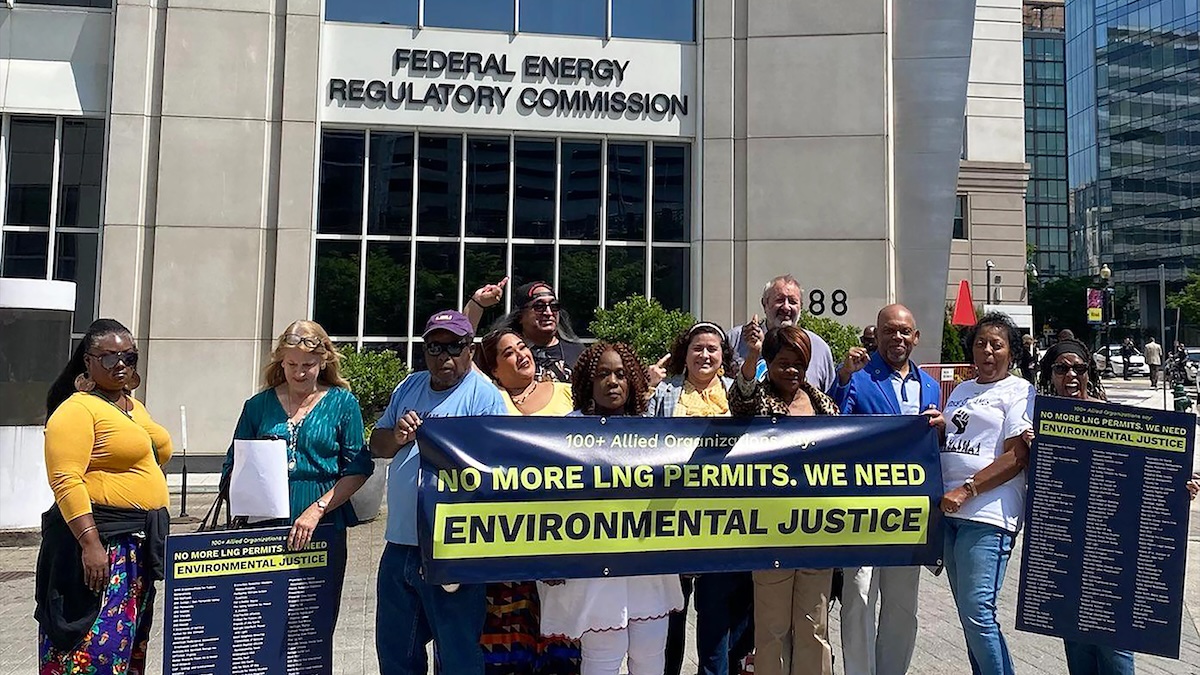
(1107, 512)
(513, 498)
(240, 603)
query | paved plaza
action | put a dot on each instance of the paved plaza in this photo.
(940, 647)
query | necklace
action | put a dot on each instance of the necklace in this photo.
(293, 428)
(127, 413)
(525, 394)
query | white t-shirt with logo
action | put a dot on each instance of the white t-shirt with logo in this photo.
(979, 418)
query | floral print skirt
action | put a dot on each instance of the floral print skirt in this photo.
(116, 643)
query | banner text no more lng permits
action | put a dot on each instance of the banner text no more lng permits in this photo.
(502, 498)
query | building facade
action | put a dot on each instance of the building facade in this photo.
(1046, 137)
(209, 171)
(1132, 96)
(989, 218)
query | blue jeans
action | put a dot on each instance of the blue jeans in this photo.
(724, 623)
(410, 612)
(976, 556)
(1085, 659)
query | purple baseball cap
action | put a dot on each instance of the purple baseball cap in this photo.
(449, 320)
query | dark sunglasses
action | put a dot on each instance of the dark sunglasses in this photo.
(866, 342)
(293, 340)
(454, 349)
(109, 361)
(539, 307)
(1062, 368)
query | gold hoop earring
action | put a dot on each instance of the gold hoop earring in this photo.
(84, 383)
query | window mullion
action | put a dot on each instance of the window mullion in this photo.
(462, 219)
(558, 167)
(412, 245)
(649, 173)
(603, 221)
(4, 129)
(362, 262)
(512, 209)
(55, 191)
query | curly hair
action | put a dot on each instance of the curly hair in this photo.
(1012, 334)
(585, 371)
(1045, 379)
(679, 348)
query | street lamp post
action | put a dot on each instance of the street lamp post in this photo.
(988, 298)
(1106, 325)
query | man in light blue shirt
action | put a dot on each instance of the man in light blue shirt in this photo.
(409, 611)
(782, 302)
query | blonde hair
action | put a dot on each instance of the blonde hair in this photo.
(330, 374)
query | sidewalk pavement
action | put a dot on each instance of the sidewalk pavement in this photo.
(940, 647)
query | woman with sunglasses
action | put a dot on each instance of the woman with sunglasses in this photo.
(1068, 371)
(511, 640)
(695, 386)
(104, 540)
(306, 401)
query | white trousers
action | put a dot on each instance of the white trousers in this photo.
(888, 649)
(644, 641)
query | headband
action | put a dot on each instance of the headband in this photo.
(1066, 347)
(709, 325)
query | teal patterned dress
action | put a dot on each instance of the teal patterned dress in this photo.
(327, 445)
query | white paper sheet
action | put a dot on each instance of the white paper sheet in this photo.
(258, 487)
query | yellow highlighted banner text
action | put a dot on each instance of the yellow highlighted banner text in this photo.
(499, 529)
(253, 565)
(1137, 439)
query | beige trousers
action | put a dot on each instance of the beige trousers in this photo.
(791, 622)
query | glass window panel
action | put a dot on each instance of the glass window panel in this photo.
(672, 192)
(30, 171)
(533, 201)
(579, 285)
(671, 277)
(439, 201)
(399, 12)
(487, 187)
(657, 20)
(79, 173)
(437, 281)
(624, 273)
(339, 208)
(77, 256)
(390, 193)
(960, 221)
(627, 191)
(485, 264)
(564, 17)
(580, 190)
(532, 262)
(470, 14)
(387, 289)
(335, 305)
(25, 255)
(418, 356)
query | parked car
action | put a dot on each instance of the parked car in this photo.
(1137, 363)
(1191, 368)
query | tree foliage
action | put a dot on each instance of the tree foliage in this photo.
(643, 324)
(373, 375)
(841, 337)
(1187, 300)
(952, 341)
(1062, 303)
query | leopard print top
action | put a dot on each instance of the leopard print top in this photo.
(763, 401)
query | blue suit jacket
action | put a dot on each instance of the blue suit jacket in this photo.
(870, 391)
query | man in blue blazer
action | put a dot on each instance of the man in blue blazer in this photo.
(884, 383)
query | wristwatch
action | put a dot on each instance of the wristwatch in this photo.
(969, 486)
(322, 504)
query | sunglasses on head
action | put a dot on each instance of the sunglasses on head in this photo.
(454, 349)
(1077, 368)
(293, 340)
(539, 307)
(109, 361)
